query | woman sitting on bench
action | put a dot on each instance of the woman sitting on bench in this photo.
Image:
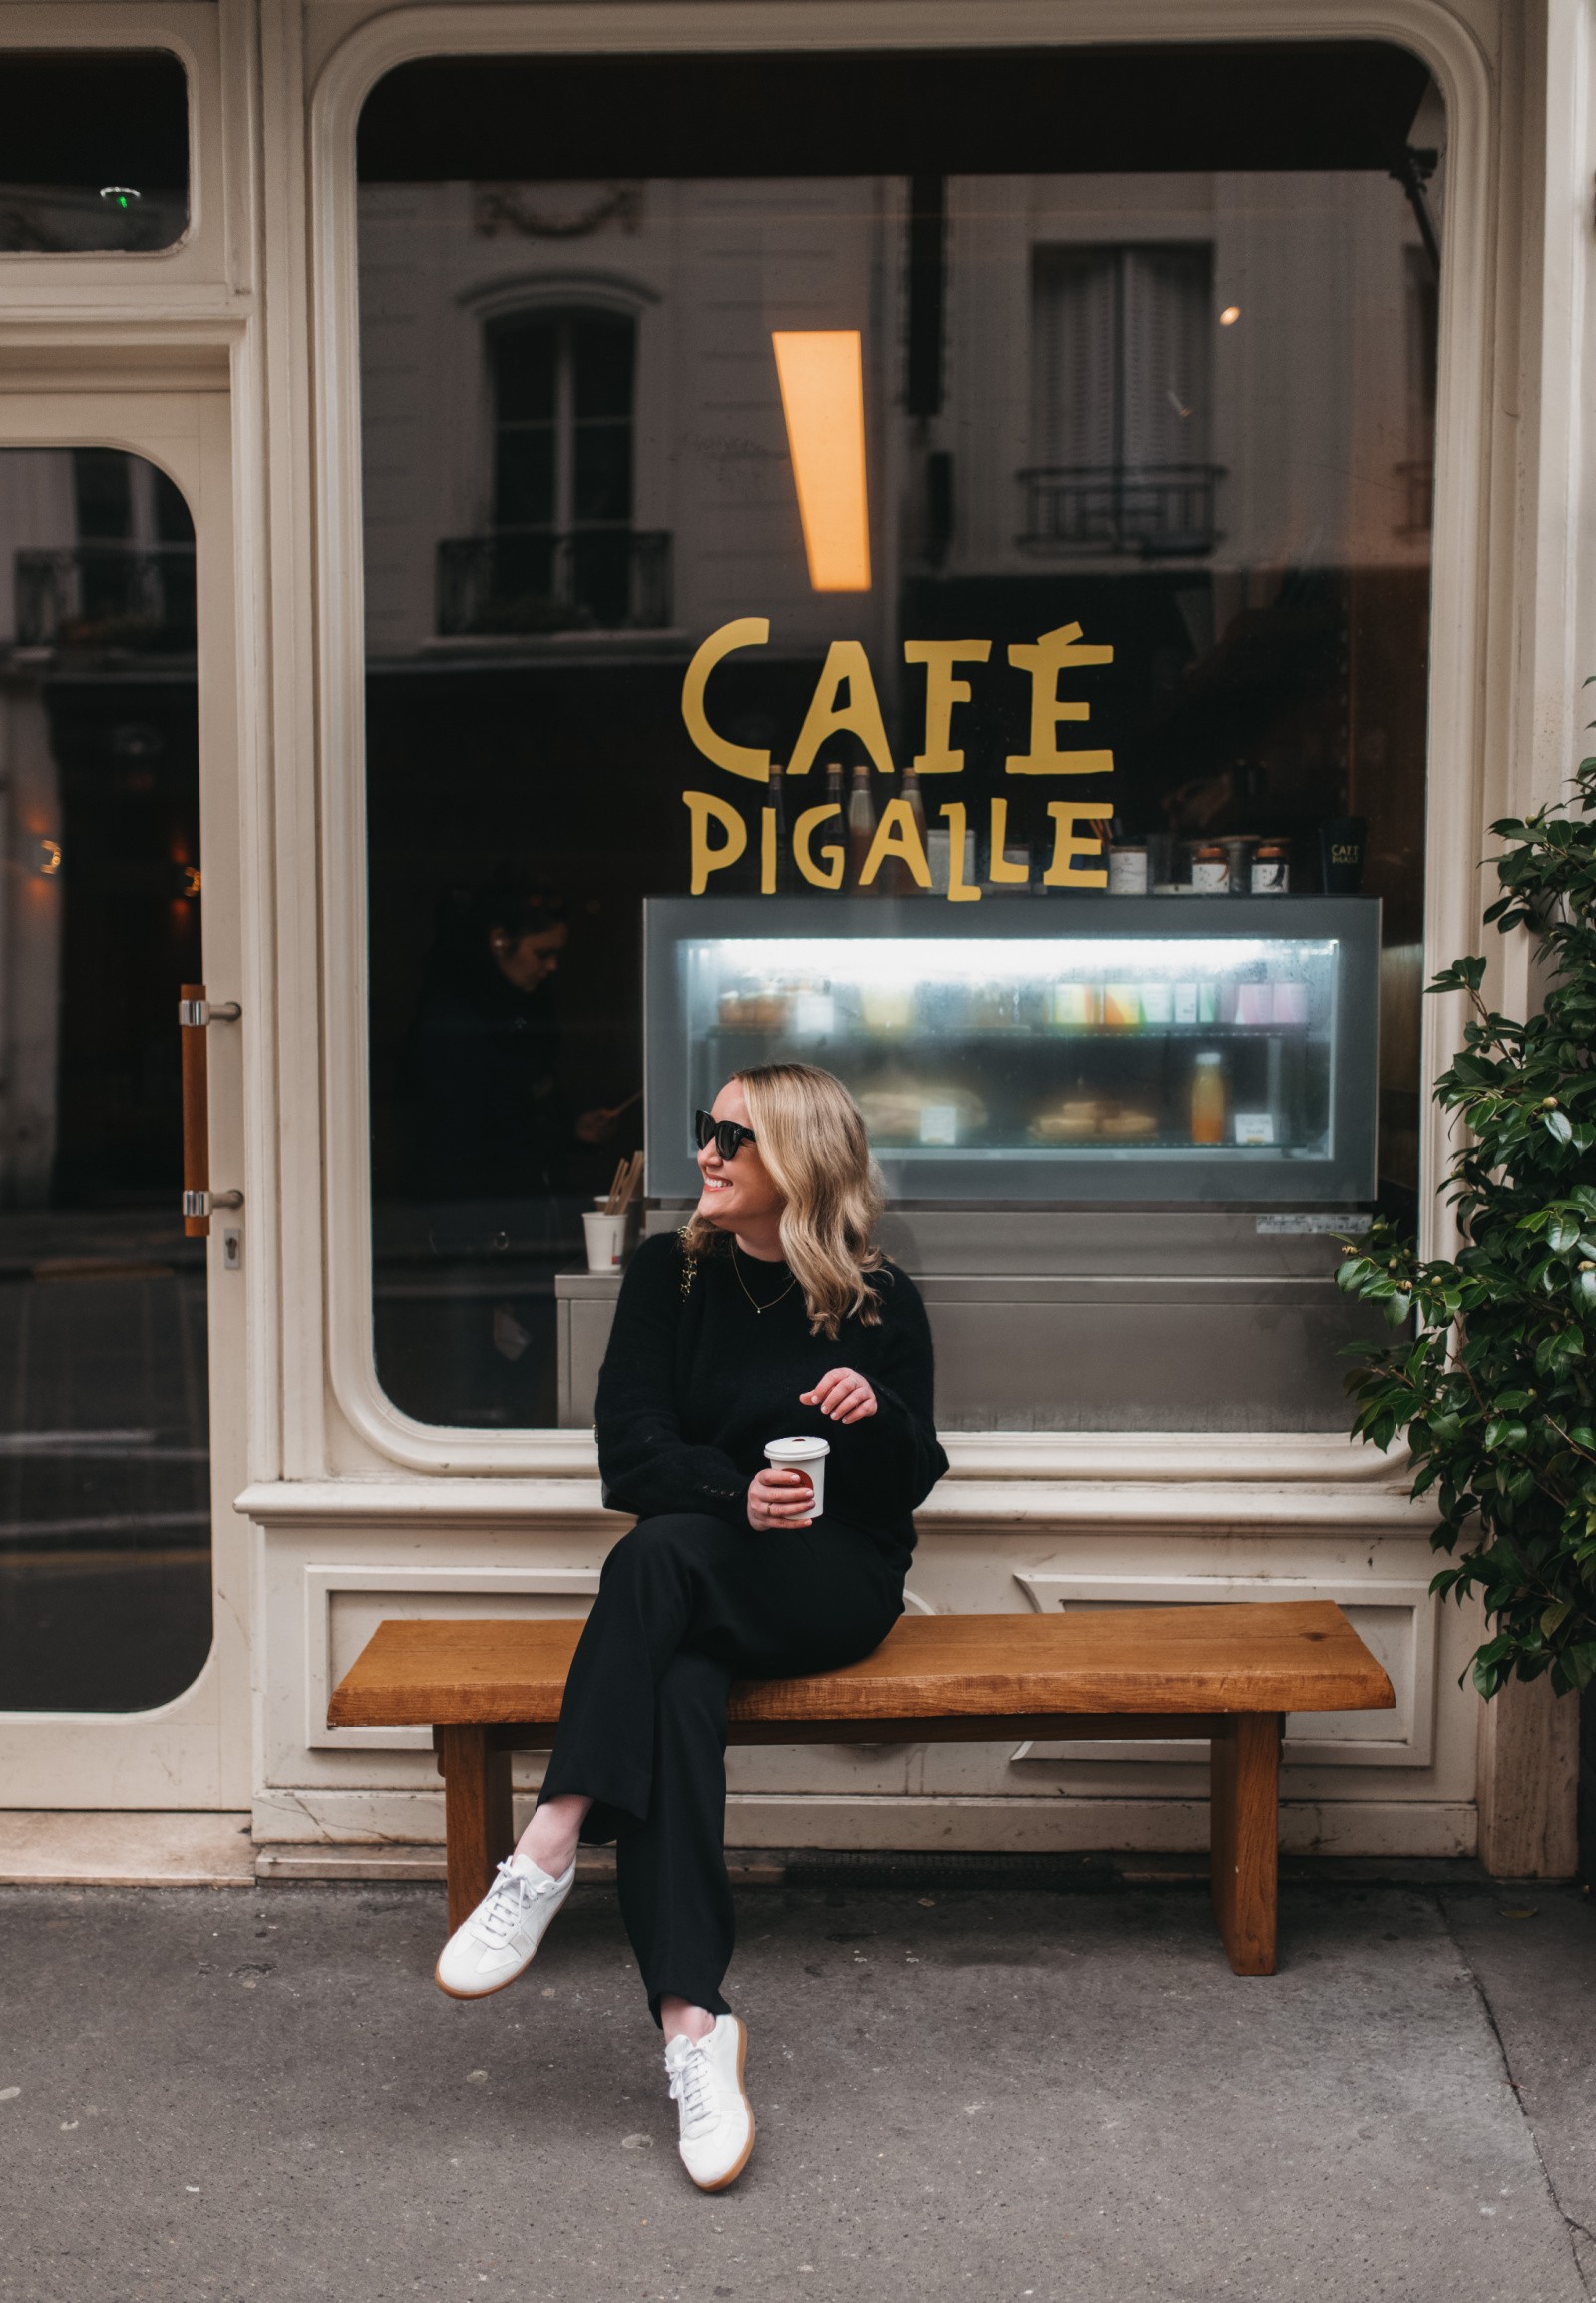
(770, 1315)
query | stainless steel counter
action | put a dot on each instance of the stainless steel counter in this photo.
(1095, 1321)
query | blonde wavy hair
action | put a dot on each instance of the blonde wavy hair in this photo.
(812, 1140)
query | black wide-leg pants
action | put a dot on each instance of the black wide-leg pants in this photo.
(685, 1605)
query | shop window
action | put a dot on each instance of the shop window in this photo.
(1122, 357)
(94, 152)
(988, 506)
(105, 1502)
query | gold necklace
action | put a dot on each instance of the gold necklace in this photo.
(748, 1291)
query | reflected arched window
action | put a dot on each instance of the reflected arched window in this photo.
(563, 553)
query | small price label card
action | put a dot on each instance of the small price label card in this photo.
(1255, 1127)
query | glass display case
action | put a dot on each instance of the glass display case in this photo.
(1189, 1050)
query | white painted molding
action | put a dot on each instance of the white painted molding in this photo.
(433, 1506)
(1279, 1457)
(1409, 1736)
(412, 1591)
(1149, 1507)
(1007, 1822)
(1272, 1459)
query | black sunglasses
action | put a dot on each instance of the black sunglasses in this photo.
(726, 1135)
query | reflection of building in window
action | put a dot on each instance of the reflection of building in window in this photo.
(1123, 392)
(562, 551)
(128, 583)
(100, 842)
(1423, 322)
(95, 152)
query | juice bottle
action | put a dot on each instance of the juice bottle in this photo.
(1207, 1100)
(861, 823)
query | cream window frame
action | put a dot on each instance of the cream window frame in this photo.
(1456, 710)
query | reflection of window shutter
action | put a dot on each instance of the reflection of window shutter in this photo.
(1075, 355)
(1165, 376)
(1123, 348)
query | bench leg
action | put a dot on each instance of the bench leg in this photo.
(479, 1824)
(1244, 1839)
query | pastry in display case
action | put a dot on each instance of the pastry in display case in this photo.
(1082, 1050)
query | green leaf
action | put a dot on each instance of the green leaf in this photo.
(1489, 1679)
(1496, 1390)
(1579, 1663)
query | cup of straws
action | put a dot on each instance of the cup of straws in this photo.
(606, 1225)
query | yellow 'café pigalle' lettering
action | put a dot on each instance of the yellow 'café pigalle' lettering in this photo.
(845, 703)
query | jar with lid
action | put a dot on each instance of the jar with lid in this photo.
(1271, 871)
(1210, 870)
(1237, 856)
(1128, 868)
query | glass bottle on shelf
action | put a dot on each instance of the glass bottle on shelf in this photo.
(778, 803)
(861, 821)
(1207, 1100)
(836, 797)
(916, 802)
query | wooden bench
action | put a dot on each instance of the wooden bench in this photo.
(1225, 1673)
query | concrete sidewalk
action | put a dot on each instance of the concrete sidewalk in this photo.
(1028, 2097)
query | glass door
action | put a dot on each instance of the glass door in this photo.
(115, 803)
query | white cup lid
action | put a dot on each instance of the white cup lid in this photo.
(796, 1450)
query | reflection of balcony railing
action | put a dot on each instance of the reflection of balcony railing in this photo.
(531, 580)
(1150, 509)
(107, 596)
(1416, 483)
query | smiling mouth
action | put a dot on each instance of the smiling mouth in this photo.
(717, 1183)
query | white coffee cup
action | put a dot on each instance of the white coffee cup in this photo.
(805, 1456)
(606, 1238)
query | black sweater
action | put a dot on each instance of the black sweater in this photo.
(695, 1382)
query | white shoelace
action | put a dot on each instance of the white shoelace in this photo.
(508, 1898)
(692, 2086)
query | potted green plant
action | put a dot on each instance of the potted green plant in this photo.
(1494, 1382)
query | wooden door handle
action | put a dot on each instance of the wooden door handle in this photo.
(194, 1015)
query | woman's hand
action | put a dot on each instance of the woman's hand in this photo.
(779, 1499)
(842, 1395)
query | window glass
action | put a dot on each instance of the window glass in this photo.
(818, 478)
(104, 1491)
(94, 152)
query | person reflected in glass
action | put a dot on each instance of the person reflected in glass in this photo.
(771, 1314)
(480, 1070)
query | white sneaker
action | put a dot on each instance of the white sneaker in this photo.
(717, 2120)
(498, 1941)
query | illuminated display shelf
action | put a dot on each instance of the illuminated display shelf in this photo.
(1084, 1048)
